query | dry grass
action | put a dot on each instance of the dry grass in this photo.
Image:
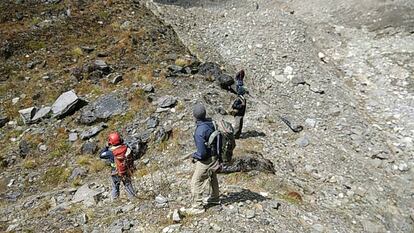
(55, 176)
(94, 165)
(30, 163)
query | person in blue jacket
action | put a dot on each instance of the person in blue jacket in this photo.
(204, 159)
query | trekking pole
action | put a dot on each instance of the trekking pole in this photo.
(187, 156)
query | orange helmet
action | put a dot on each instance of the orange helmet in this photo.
(114, 139)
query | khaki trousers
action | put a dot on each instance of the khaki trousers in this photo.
(203, 175)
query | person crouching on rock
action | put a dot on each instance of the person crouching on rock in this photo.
(238, 110)
(122, 164)
(204, 160)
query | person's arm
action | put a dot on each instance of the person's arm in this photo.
(238, 104)
(105, 153)
(201, 147)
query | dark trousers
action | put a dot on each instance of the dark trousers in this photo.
(116, 183)
(238, 125)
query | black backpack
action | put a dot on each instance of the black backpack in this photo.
(222, 142)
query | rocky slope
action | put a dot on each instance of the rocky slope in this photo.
(343, 71)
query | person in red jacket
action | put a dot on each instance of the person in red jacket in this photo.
(120, 157)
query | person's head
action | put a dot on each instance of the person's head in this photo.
(114, 139)
(241, 91)
(240, 75)
(199, 111)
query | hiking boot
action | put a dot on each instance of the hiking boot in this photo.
(212, 201)
(194, 210)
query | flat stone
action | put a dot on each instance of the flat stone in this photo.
(250, 214)
(152, 122)
(161, 199)
(65, 104)
(303, 141)
(310, 122)
(73, 137)
(89, 133)
(102, 109)
(27, 114)
(176, 216)
(41, 114)
(288, 70)
(281, 78)
(86, 195)
(167, 101)
(148, 88)
(43, 147)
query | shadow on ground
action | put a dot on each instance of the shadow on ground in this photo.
(252, 134)
(242, 196)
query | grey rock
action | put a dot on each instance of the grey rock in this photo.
(27, 114)
(43, 147)
(91, 132)
(86, 195)
(24, 148)
(102, 66)
(176, 216)
(250, 214)
(148, 88)
(160, 199)
(152, 122)
(175, 68)
(224, 80)
(102, 109)
(41, 114)
(73, 137)
(167, 101)
(118, 78)
(128, 208)
(87, 49)
(159, 110)
(210, 69)
(83, 218)
(125, 25)
(215, 227)
(89, 148)
(77, 173)
(303, 141)
(310, 122)
(3, 120)
(65, 104)
(280, 78)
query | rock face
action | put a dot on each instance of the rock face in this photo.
(65, 104)
(27, 114)
(102, 109)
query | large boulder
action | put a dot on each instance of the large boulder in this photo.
(65, 104)
(210, 69)
(86, 195)
(214, 70)
(167, 101)
(102, 109)
(41, 114)
(27, 114)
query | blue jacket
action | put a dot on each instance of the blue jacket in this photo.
(201, 135)
(107, 154)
